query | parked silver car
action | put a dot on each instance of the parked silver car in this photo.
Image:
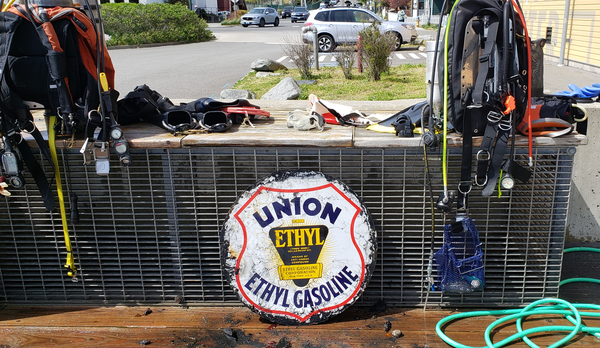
(341, 25)
(260, 16)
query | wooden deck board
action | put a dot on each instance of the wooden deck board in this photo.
(122, 326)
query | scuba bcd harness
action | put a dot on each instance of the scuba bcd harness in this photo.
(486, 80)
(60, 62)
(486, 92)
(55, 56)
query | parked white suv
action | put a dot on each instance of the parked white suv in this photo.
(341, 25)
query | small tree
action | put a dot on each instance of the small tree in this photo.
(345, 58)
(300, 53)
(376, 49)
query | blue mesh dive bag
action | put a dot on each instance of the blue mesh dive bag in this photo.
(460, 260)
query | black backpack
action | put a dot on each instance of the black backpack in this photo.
(486, 82)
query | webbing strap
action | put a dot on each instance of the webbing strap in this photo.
(496, 163)
(484, 154)
(464, 187)
(484, 63)
(38, 174)
(11, 126)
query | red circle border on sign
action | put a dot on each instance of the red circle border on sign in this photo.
(362, 260)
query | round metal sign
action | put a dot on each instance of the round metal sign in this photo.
(299, 247)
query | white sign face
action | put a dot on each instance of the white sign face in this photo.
(299, 247)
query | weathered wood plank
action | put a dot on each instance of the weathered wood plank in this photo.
(120, 326)
(273, 131)
(367, 138)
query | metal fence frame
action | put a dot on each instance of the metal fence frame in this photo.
(149, 233)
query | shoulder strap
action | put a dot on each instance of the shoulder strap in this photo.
(55, 57)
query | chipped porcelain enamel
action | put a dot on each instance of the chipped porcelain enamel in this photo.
(340, 268)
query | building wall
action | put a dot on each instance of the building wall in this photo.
(224, 5)
(582, 44)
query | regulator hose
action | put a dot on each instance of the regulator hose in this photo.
(539, 307)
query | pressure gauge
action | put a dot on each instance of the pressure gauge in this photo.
(116, 133)
(507, 182)
(121, 147)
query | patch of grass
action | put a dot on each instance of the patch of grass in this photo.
(235, 21)
(431, 26)
(406, 81)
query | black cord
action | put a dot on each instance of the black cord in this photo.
(433, 72)
(431, 128)
(100, 68)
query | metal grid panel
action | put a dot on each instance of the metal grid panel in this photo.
(149, 233)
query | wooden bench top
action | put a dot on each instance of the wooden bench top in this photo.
(273, 132)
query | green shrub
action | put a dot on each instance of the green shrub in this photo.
(135, 24)
(375, 51)
(235, 21)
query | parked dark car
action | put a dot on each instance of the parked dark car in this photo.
(287, 12)
(299, 14)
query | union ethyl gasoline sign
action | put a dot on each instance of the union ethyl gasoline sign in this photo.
(298, 247)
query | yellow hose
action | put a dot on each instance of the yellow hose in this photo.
(61, 200)
(7, 5)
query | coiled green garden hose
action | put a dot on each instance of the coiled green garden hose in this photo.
(570, 311)
(540, 307)
(586, 280)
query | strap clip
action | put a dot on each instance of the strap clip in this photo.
(27, 126)
(505, 125)
(483, 152)
(465, 187)
(494, 117)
